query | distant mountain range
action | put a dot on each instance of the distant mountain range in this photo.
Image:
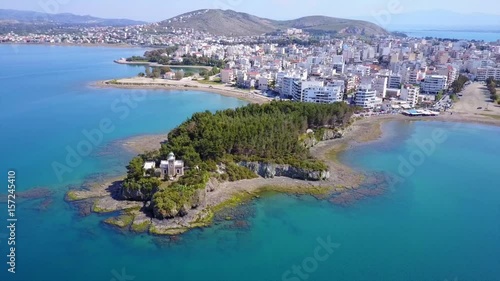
(214, 21)
(13, 17)
(231, 23)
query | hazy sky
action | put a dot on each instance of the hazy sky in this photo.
(156, 10)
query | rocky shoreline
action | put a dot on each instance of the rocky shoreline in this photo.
(105, 196)
(341, 184)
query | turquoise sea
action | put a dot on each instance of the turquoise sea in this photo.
(487, 36)
(437, 219)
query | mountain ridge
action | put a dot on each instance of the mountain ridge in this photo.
(229, 22)
(31, 17)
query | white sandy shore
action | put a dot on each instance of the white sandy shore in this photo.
(342, 177)
(184, 85)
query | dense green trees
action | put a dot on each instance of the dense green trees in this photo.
(207, 73)
(439, 96)
(135, 169)
(164, 56)
(269, 133)
(137, 58)
(458, 85)
(491, 84)
(236, 173)
(161, 56)
(205, 61)
(137, 182)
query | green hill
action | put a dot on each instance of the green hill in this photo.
(231, 23)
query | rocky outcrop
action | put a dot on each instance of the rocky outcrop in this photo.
(269, 170)
(312, 138)
(212, 185)
(199, 198)
(136, 194)
(332, 134)
(165, 208)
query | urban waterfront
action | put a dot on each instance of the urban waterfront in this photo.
(419, 229)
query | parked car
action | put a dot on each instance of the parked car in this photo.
(479, 108)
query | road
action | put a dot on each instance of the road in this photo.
(474, 96)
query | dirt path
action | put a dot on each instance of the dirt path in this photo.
(475, 103)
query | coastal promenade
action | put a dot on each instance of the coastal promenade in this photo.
(186, 84)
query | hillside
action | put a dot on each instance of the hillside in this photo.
(13, 17)
(221, 22)
(231, 23)
(329, 24)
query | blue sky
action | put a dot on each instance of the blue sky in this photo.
(155, 10)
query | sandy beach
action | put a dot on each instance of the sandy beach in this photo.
(343, 180)
(185, 84)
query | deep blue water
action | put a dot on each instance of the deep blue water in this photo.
(487, 36)
(438, 220)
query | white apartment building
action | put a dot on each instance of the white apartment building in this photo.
(410, 94)
(338, 63)
(450, 72)
(361, 70)
(287, 86)
(433, 84)
(366, 97)
(415, 76)
(338, 83)
(487, 72)
(316, 92)
(379, 84)
(263, 83)
(227, 75)
(285, 80)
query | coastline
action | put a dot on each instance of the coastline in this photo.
(345, 184)
(103, 196)
(123, 46)
(154, 64)
(182, 85)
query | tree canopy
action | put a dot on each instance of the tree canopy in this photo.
(269, 133)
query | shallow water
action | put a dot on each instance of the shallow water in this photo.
(437, 219)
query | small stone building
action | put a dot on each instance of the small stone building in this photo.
(171, 167)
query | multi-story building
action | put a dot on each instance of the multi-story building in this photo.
(338, 63)
(227, 75)
(316, 92)
(366, 97)
(414, 76)
(487, 72)
(263, 83)
(433, 84)
(450, 72)
(379, 84)
(394, 81)
(410, 94)
(338, 83)
(287, 86)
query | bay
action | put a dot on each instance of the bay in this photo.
(439, 221)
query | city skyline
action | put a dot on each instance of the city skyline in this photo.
(154, 10)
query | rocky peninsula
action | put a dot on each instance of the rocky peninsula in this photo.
(139, 210)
